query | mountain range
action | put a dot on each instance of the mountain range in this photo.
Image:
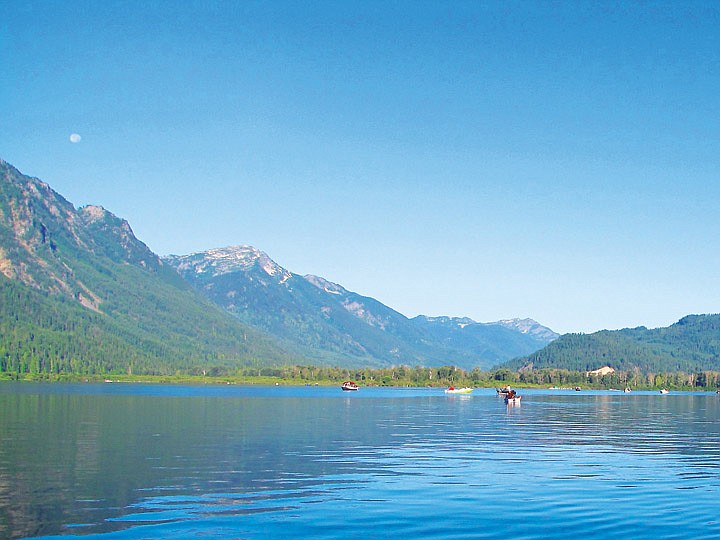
(82, 294)
(328, 323)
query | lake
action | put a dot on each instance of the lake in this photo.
(135, 461)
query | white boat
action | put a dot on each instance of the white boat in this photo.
(627, 390)
(349, 386)
(664, 391)
(453, 390)
(503, 391)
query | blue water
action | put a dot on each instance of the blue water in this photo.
(122, 461)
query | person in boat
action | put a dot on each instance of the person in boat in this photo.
(511, 394)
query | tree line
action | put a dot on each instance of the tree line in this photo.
(33, 364)
(454, 376)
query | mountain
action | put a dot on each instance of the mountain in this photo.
(691, 344)
(320, 318)
(337, 326)
(531, 328)
(493, 342)
(81, 293)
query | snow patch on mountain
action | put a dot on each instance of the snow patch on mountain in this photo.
(325, 285)
(462, 322)
(361, 312)
(529, 326)
(227, 260)
(523, 326)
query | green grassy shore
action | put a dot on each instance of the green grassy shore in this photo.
(318, 377)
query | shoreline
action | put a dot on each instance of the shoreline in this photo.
(280, 381)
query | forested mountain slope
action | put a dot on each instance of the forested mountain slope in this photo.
(80, 293)
(691, 344)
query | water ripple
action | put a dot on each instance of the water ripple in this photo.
(425, 466)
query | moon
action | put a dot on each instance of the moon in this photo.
(75, 138)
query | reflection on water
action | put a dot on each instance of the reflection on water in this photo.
(143, 461)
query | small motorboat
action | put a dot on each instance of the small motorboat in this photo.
(511, 398)
(463, 390)
(349, 386)
(627, 390)
(664, 391)
(503, 391)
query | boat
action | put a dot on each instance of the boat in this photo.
(627, 390)
(349, 386)
(664, 391)
(511, 398)
(503, 391)
(463, 390)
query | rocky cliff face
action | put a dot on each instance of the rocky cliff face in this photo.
(80, 293)
(113, 237)
(43, 238)
(37, 227)
(213, 263)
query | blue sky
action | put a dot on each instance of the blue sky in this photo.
(552, 160)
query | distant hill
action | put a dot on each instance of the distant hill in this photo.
(81, 294)
(691, 344)
(337, 326)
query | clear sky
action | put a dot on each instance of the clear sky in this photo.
(553, 160)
